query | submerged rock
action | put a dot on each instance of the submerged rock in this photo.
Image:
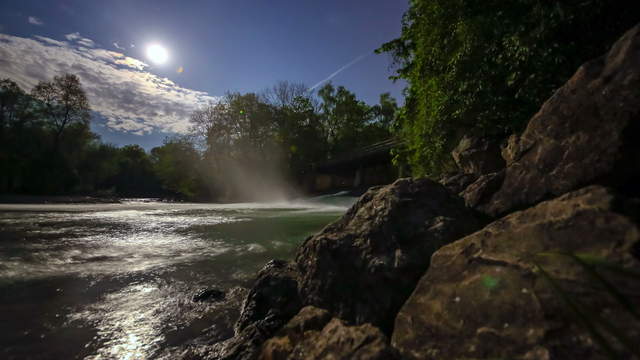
(484, 296)
(364, 266)
(208, 295)
(313, 334)
(584, 134)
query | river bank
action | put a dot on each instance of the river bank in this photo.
(57, 199)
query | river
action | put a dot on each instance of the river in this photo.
(116, 281)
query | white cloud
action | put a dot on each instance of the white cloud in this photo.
(77, 38)
(35, 21)
(119, 87)
(118, 46)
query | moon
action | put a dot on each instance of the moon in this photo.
(157, 54)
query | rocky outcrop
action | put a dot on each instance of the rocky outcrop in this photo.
(314, 334)
(482, 189)
(477, 155)
(510, 290)
(485, 297)
(458, 182)
(270, 303)
(364, 266)
(584, 134)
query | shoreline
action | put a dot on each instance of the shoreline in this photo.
(57, 199)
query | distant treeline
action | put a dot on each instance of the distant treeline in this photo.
(244, 146)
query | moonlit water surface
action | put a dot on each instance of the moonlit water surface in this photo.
(117, 280)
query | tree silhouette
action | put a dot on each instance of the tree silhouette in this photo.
(63, 102)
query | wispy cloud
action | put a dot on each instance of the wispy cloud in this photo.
(35, 21)
(343, 68)
(76, 37)
(117, 46)
(120, 88)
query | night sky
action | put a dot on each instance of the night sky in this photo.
(212, 46)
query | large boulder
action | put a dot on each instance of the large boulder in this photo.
(484, 296)
(364, 266)
(477, 155)
(314, 334)
(269, 304)
(584, 134)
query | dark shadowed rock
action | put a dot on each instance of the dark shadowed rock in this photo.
(208, 295)
(313, 334)
(275, 293)
(364, 266)
(585, 133)
(476, 155)
(482, 189)
(458, 182)
(484, 298)
(270, 303)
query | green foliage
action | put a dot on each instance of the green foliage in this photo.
(485, 67)
(285, 130)
(175, 163)
(46, 146)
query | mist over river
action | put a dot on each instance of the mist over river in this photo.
(116, 281)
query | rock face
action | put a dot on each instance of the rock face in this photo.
(476, 155)
(458, 182)
(584, 134)
(484, 297)
(482, 189)
(313, 334)
(270, 303)
(275, 293)
(364, 266)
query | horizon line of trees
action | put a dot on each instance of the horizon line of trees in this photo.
(242, 147)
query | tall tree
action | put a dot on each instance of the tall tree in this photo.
(63, 102)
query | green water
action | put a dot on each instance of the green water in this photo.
(117, 280)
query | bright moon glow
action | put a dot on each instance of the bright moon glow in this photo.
(157, 54)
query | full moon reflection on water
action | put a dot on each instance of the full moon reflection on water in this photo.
(116, 281)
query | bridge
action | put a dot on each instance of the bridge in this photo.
(360, 168)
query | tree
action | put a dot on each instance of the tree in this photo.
(484, 67)
(63, 102)
(284, 93)
(176, 164)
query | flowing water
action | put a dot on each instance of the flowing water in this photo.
(116, 281)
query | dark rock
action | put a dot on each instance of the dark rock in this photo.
(458, 182)
(247, 343)
(270, 303)
(313, 334)
(586, 133)
(364, 266)
(275, 292)
(477, 155)
(482, 189)
(509, 151)
(209, 295)
(484, 297)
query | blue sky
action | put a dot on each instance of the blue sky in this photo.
(221, 45)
